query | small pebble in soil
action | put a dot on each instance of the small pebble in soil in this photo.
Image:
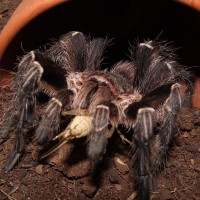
(194, 132)
(197, 169)
(185, 134)
(39, 169)
(118, 187)
(78, 170)
(165, 194)
(27, 166)
(89, 190)
(114, 177)
(10, 184)
(192, 161)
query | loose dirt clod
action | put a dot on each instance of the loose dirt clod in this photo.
(165, 194)
(89, 190)
(67, 173)
(39, 170)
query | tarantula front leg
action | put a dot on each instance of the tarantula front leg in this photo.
(97, 139)
(51, 118)
(143, 132)
(171, 108)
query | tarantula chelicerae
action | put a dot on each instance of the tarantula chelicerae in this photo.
(143, 94)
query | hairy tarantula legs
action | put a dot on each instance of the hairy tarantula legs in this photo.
(29, 70)
(143, 132)
(171, 107)
(25, 86)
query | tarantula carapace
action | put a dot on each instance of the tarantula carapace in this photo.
(143, 94)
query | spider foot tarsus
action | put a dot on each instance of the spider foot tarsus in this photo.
(19, 143)
(19, 149)
(17, 153)
(143, 132)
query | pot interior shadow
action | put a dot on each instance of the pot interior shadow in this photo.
(126, 21)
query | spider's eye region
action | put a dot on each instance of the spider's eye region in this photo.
(75, 81)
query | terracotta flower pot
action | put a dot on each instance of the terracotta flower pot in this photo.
(26, 11)
(196, 95)
(35, 22)
(192, 3)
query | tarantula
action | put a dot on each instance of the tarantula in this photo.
(143, 94)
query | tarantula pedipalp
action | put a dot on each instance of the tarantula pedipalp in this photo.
(142, 94)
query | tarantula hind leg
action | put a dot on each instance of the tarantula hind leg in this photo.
(24, 87)
(23, 103)
(171, 108)
(143, 132)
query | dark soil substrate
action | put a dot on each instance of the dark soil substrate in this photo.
(66, 174)
(7, 7)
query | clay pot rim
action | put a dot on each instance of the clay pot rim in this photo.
(23, 16)
(195, 4)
